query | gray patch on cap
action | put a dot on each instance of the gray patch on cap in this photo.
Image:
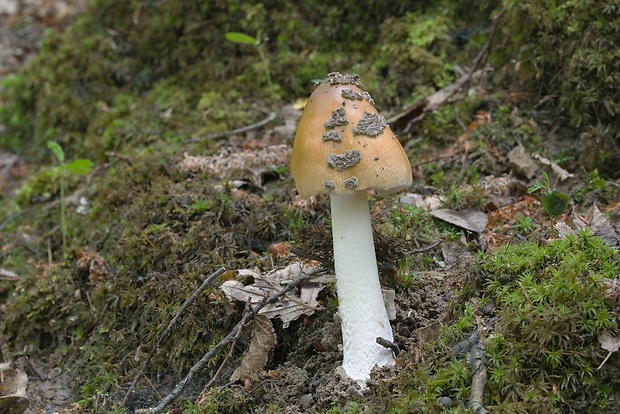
(351, 95)
(351, 183)
(338, 119)
(371, 125)
(337, 78)
(329, 185)
(332, 135)
(369, 98)
(343, 161)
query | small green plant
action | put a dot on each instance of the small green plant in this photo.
(524, 224)
(77, 167)
(554, 202)
(257, 42)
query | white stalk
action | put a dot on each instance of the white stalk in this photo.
(360, 302)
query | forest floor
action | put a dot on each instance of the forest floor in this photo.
(441, 245)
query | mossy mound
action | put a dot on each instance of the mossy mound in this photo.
(566, 56)
(540, 316)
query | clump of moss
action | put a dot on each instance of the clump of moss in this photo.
(567, 56)
(85, 88)
(551, 303)
(551, 308)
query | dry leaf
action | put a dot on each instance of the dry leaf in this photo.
(608, 343)
(557, 170)
(522, 163)
(600, 225)
(13, 384)
(468, 219)
(262, 344)
(290, 306)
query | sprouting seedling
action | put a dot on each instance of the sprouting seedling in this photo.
(77, 167)
(554, 202)
(257, 42)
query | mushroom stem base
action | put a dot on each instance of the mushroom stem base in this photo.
(360, 301)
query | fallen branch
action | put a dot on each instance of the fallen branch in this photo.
(241, 130)
(420, 108)
(478, 380)
(228, 339)
(166, 332)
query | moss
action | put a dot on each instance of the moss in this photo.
(568, 61)
(542, 345)
(543, 350)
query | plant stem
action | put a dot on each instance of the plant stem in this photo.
(63, 226)
(263, 58)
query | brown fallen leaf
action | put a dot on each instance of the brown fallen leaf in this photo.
(522, 163)
(608, 343)
(262, 344)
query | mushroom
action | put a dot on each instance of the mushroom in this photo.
(344, 147)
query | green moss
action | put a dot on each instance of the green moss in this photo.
(567, 54)
(544, 349)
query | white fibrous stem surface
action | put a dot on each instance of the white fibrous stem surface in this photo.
(360, 302)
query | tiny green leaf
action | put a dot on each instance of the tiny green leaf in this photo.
(80, 167)
(242, 38)
(537, 186)
(554, 203)
(57, 150)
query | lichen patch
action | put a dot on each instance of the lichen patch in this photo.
(338, 118)
(343, 161)
(371, 125)
(329, 185)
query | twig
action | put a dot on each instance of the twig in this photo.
(228, 339)
(419, 109)
(425, 248)
(152, 386)
(478, 380)
(466, 344)
(246, 314)
(241, 130)
(172, 323)
(389, 345)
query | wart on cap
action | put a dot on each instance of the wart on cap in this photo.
(338, 119)
(343, 161)
(329, 185)
(369, 98)
(351, 183)
(332, 135)
(337, 78)
(351, 95)
(371, 125)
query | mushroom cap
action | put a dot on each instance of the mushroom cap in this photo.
(343, 145)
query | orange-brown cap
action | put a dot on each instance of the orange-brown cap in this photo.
(343, 145)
